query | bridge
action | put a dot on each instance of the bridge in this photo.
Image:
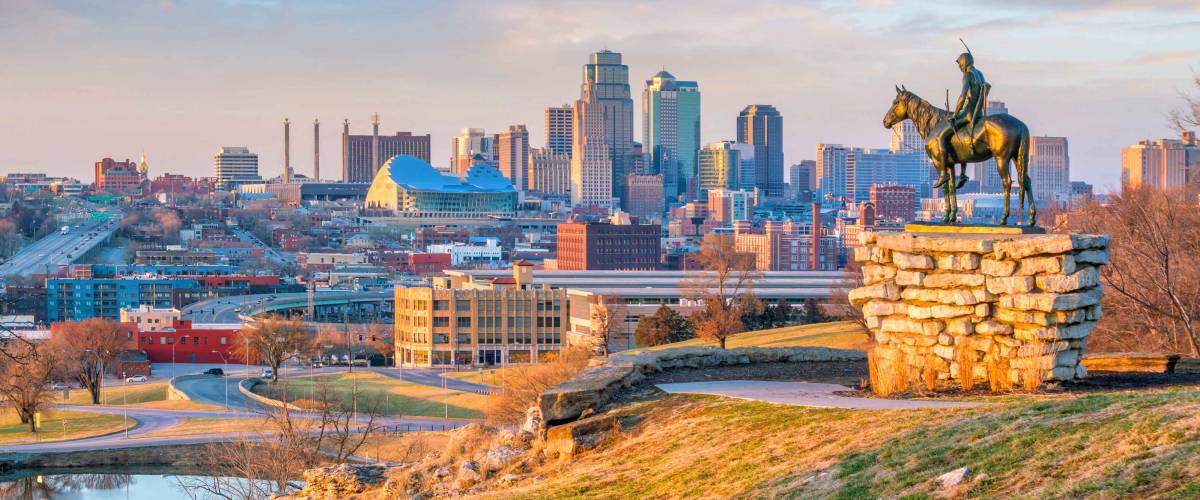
(331, 308)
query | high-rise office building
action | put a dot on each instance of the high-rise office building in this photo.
(801, 176)
(558, 129)
(235, 165)
(1161, 164)
(868, 167)
(831, 169)
(549, 172)
(512, 148)
(762, 126)
(721, 167)
(747, 166)
(602, 120)
(359, 151)
(906, 138)
(465, 149)
(1050, 168)
(671, 129)
(645, 196)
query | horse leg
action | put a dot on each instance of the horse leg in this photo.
(1028, 187)
(1002, 167)
(962, 176)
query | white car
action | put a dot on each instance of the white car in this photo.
(58, 386)
(267, 373)
(136, 378)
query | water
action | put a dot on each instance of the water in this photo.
(104, 484)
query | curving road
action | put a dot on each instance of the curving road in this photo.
(56, 249)
(229, 309)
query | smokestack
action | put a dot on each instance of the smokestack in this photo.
(317, 150)
(345, 150)
(287, 151)
(374, 144)
(815, 250)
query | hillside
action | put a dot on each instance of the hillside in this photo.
(837, 335)
(1144, 443)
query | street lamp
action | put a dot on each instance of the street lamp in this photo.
(226, 377)
(125, 401)
(173, 342)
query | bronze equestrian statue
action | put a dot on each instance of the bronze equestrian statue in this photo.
(968, 135)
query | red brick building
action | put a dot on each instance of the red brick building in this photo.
(191, 343)
(620, 244)
(117, 176)
(894, 202)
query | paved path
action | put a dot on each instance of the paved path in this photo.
(802, 394)
(430, 377)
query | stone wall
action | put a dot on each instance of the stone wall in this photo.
(1018, 304)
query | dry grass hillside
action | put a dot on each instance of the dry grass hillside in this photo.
(1105, 445)
(838, 335)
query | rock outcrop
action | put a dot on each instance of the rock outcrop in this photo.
(341, 481)
(1017, 304)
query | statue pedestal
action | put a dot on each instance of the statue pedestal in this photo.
(1007, 306)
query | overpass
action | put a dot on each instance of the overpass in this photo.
(57, 249)
(329, 306)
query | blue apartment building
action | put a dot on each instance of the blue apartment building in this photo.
(75, 299)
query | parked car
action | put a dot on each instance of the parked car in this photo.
(317, 364)
(136, 378)
(58, 386)
(268, 373)
(215, 371)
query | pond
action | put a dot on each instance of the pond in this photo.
(112, 484)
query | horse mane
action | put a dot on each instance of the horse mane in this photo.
(922, 113)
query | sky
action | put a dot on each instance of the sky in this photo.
(177, 79)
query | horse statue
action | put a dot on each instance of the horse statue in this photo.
(999, 136)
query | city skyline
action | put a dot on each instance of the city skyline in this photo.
(232, 71)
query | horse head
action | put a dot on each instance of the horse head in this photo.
(899, 110)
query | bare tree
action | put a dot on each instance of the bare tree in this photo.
(25, 385)
(725, 289)
(272, 460)
(521, 385)
(88, 349)
(607, 322)
(1152, 299)
(1189, 115)
(274, 341)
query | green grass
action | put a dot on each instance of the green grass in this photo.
(1110, 445)
(113, 393)
(78, 425)
(393, 397)
(838, 334)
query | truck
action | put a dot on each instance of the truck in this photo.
(65, 230)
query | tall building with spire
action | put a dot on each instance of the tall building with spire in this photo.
(602, 131)
(762, 126)
(512, 149)
(671, 130)
(558, 129)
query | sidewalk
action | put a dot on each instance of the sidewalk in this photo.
(802, 394)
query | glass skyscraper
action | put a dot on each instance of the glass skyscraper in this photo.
(671, 130)
(762, 126)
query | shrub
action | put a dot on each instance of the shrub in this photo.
(523, 384)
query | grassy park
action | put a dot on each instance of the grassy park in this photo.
(59, 425)
(391, 396)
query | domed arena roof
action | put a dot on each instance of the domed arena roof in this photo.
(413, 173)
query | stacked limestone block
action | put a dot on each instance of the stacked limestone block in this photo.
(1016, 304)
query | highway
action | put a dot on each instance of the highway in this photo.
(281, 259)
(228, 309)
(46, 254)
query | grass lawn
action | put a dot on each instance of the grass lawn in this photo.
(78, 425)
(490, 376)
(394, 397)
(113, 393)
(838, 334)
(194, 426)
(1126, 444)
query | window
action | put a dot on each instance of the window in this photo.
(222, 340)
(464, 322)
(441, 305)
(441, 321)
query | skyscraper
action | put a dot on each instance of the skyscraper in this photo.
(464, 148)
(762, 126)
(358, 151)
(869, 167)
(1050, 168)
(671, 129)
(235, 165)
(549, 172)
(602, 132)
(801, 176)
(905, 137)
(513, 152)
(558, 129)
(1160, 164)
(831, 169)
(720, 167)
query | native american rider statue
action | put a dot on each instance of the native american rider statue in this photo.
(972, 102)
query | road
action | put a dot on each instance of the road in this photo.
(56, 249)
(228, 309)
(281, 259)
